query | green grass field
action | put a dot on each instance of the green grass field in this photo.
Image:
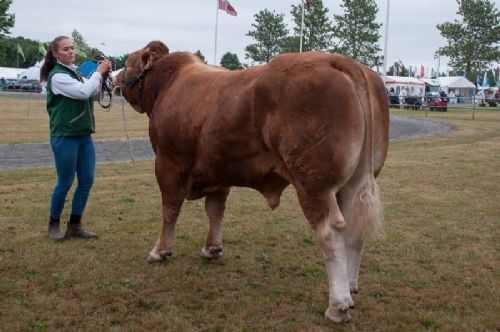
(436, 268)
(26, 121)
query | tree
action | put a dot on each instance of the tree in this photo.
(230, 61)
(119, 61)
(6, 20)
(472, 42)
(270, 31)
(397, 69)
(317, 31)
(80, 42)
(357, 32)
(10, 56)
(200, 55)
(83, 50)
(291, 44)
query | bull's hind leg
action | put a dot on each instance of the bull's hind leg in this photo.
(215, 204)
(173, 192)
(325, 217)
(354, 239)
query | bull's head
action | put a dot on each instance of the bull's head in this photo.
(129, 82)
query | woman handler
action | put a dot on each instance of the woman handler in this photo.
(70, 108)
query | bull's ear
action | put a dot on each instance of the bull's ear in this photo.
(147, 60)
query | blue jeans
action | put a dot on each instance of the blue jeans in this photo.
(73, 155)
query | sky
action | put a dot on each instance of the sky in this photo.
(119, 27)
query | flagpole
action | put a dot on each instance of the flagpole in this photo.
(386, 38)
(302, 27)
(216, 25)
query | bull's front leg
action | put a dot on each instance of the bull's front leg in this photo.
(215, 204)
(172, 184)
(164, 244)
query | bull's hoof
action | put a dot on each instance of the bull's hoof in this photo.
(338, 315)
(211, 253)
(155, 257)
(338, 224)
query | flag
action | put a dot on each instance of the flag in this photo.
(226, 6)
(422, 71)
(41, 49)
(20, 51)
(80, 53)
(485, 80)
(308, 4)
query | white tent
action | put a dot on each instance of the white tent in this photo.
(32, 73)
(430, 81)
(455, 82)
(9, 73)
(414, 86)
(460, 86)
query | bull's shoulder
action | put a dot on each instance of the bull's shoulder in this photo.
(179, 59)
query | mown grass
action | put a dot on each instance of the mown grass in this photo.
(25, 120)
(436, 268)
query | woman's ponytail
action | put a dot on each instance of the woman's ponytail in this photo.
(50, 59)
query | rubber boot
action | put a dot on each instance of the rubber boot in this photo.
(75, 229)
(54, 231)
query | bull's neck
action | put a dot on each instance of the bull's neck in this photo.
(160, 78)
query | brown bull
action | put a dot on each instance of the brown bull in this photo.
(317, 121)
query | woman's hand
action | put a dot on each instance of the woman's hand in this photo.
(104, 66)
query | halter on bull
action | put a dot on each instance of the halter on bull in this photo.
(314, 120)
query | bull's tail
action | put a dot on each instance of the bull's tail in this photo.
(363, 208)
(364, 213)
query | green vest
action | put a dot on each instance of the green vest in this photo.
(67, 116)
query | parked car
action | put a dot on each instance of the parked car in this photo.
(25, 85)
(5, 82)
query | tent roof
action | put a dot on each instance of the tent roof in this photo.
(455, 82)
(430, 81)
(402, 80)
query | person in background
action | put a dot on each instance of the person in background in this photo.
(393, 98)
(71, 117)
(402, 97)
(452, 96)
(443, 95)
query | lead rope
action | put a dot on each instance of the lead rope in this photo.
(107, 109)
(125, 125)
(105, 88)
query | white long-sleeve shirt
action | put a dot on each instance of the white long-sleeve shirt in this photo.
(64, 84)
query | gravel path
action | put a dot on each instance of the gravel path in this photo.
(18, 156)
